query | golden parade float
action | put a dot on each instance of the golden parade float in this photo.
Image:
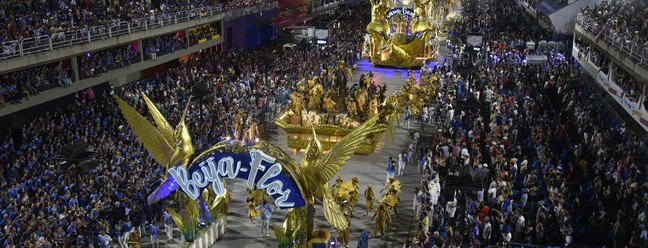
(335, 113)
(402, 32)
(201, 213)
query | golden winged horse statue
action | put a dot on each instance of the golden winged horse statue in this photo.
(172, 147)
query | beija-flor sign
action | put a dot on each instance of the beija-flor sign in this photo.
(400, 11)
(255, 166)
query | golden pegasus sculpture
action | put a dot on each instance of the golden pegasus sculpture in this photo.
(317, 168)
(169, 147)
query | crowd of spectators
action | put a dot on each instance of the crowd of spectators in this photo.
(632, 88)
(230, 5)
(162, 45)
(96, 63)
(620, 17)
(494, 21)
(342, 29)
(598, 58)
(19, 85)
(45, 203)
(33, 18)
(206, 31)
(21, 20)
(553, 165)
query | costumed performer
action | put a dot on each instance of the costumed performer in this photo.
(344, 234)
(382, 217)
(369, 197)
(251, 204)
(329, 104)
(351, 108)
(355, 196)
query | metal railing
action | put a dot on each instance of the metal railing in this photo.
(621, 42)
(31, 45)
(250, 10)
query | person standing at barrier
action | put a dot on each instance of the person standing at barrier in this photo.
(168, 224)
(266, 214)
(418, 202)
(401, 163)
(154, 230)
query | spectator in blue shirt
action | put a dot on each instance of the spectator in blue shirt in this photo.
(266, 214)
(153, 230)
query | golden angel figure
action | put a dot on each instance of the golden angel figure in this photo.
(361, 96)
(296, 102)
(373, 107)
(378, 28)
(351, 108)
(329, 104)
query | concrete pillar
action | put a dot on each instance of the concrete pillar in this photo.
(186, 37)
(75, 68)
(610, 71)
(141, 50)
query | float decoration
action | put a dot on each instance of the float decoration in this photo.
(263, 165)
(402, 33)
(267, 167)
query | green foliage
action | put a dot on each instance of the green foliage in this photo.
(283, 238)
(187, 221)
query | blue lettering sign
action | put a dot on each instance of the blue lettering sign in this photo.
(257, 167)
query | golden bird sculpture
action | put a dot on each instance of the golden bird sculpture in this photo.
(318, 168)
(169, 147)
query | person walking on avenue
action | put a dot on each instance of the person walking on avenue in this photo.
(382, 217)
(168, 224)
(154, 230)
(124, 234)
(408, 116)
(390, 169)
(369, 197)
(401, 163)
(266, 214)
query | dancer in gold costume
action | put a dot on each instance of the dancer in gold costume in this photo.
(345, 233)
(369, 198)
(382, 218)
(252, 211)
(329, 104)
(355, 195)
